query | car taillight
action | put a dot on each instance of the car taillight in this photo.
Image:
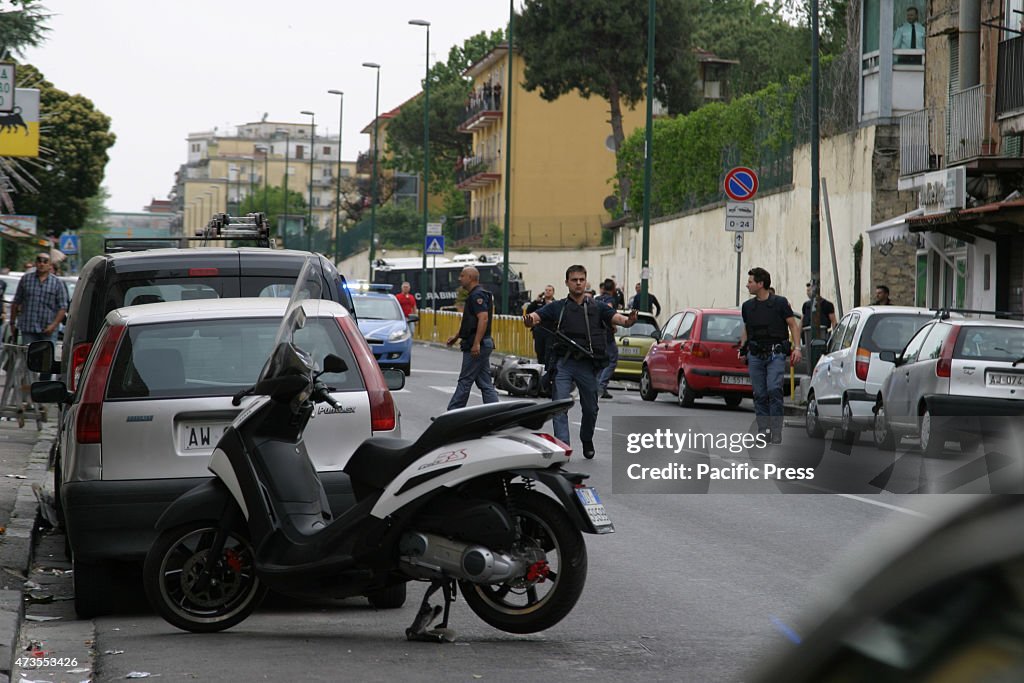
(203, 272)
(382, 407)
(863, 362)
(78, 356)
(945, 365)
(89, 425)
(555, 440)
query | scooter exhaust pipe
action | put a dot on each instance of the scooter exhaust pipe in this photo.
(427, 556)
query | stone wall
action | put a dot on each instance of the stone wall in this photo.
(897, 271)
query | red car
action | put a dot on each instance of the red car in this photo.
(695, 356)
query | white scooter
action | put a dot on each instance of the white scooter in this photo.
(457, 505)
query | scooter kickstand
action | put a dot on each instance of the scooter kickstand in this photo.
(427, 614)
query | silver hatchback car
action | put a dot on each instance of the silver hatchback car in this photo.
(951, 373)
(156, 393)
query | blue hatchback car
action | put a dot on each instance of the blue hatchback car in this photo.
(385, 328)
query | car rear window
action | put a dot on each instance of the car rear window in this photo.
(641, 328)
(990, 343)
(891, 331)
(185, 359)
(721, 328)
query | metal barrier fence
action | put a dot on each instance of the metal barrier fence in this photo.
(509, 334)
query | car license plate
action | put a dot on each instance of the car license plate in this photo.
(1005, 379)
(594, 508)
(629, 351)
(735, 379)
(200, 436)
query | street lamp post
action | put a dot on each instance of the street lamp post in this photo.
(337, 182)
(252, 181)
(426, 155)
(287, 150)
(266, 159)
(309, 209)
(373, 181)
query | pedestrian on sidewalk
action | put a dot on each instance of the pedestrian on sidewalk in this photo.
(39, 306)
(826, 310)
(882, 296)
(652, 302)
(474, 337)
(583, 322)
(768, 321)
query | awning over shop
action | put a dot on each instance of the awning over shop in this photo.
(988, 221)
(892, 230)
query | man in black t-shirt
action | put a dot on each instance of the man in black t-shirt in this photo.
(768, 323)
(827, 309)
(475, 340)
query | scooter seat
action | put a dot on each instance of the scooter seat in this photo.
(378, 460)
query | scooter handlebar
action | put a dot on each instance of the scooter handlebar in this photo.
(322, 393)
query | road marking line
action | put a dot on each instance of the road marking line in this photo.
(894, 508)
(437, 372)
(596, 429)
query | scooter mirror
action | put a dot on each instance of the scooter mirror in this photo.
(395, 379)
(333, 363)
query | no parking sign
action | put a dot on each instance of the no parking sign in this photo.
(741, 184)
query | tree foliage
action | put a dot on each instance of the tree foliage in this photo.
(22, 25)
(771, 41)
(74, 139)
(599, 48)
(275, 204)
(399, 226)
(449, 91)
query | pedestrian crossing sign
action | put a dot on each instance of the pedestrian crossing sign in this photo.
(68, 244)
(435, 245)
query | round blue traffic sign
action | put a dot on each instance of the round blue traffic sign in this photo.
(741, 184)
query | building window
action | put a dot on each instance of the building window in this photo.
(1013, 18)
(300, 151)
(195, 147)
(327, 151)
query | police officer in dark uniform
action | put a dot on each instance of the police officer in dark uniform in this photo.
(476, 342)
(768, 323)
(583, 321)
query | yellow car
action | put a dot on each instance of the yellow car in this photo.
(633, 343)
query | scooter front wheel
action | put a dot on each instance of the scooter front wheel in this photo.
(194, 591)
(549, 591)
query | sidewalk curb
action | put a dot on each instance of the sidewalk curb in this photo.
(16, 550)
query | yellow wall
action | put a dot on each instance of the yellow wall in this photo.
(562, 170)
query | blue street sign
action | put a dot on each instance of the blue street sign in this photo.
(435, 245)
(68, 244)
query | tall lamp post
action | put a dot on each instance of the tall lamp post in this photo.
(337, 183)
(309, 209)
(287, 149)
(265, 149)
(426, 156)
(373, 181)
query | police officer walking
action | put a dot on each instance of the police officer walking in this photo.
(607, 297)
(768, 321)
(581, 353)
(475, 341)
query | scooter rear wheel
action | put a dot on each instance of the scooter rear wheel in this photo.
(525, 605)
(174, 566)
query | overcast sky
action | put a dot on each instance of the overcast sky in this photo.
(163, 69)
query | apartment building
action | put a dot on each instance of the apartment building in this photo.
(223, 168)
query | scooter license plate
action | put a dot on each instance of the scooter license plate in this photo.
(594, 508)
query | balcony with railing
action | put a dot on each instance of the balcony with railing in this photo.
(476, 172)
(484, 107)
(364, 163)
(968, 118)
(1010, 77)
(922, 141)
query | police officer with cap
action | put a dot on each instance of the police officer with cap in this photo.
(579, 349)
(768, 321)
(475, 342)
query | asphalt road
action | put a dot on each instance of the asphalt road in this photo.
(689, 588)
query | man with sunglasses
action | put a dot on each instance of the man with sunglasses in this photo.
(39, 305)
